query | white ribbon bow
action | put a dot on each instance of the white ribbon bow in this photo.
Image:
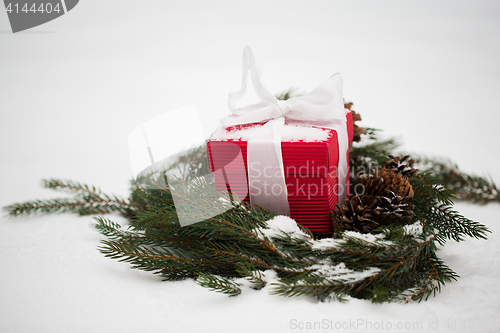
(323, 107)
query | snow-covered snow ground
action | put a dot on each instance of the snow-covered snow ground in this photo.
(73, 89)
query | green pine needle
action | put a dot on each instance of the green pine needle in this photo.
(219, 284)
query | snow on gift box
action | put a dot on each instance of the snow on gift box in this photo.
(291, 150)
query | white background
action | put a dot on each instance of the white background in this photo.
(73, 89)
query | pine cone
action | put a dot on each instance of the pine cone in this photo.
(401, 166)
(380, 183)
(393, 194)
(387, 199)
(352, 216)
(391, 208)
(357, 131)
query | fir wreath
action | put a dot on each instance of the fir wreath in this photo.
(384, 247)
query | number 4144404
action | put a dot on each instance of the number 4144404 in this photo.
(42, 8)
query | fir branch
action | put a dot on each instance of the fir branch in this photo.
(253, 276)
(322, 291)
(171, 264)
(395, 263)
(438, 274)
(113, 231)
(70, 186)
(453, 225)
(287, 94)
(430, 189)
(88, 200)
(465, 186)
(79, 205)
(219, 284)
(433, 204)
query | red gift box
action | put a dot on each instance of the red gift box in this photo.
(310, 174)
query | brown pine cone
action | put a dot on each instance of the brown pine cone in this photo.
(352, 217)
(391, 208)
(380, 183)
(401, 166)
(357, 131)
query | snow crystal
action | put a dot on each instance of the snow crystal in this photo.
(340, 273)
(414, 229)
(326, 244)
(290, 133)
(282, 223)
(370, 238)
(269, 276)
(439, 187)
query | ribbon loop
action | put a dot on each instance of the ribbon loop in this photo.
(323, 107)
(283, 107)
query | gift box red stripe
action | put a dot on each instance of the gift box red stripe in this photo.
(310, 175)
(320, 156)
